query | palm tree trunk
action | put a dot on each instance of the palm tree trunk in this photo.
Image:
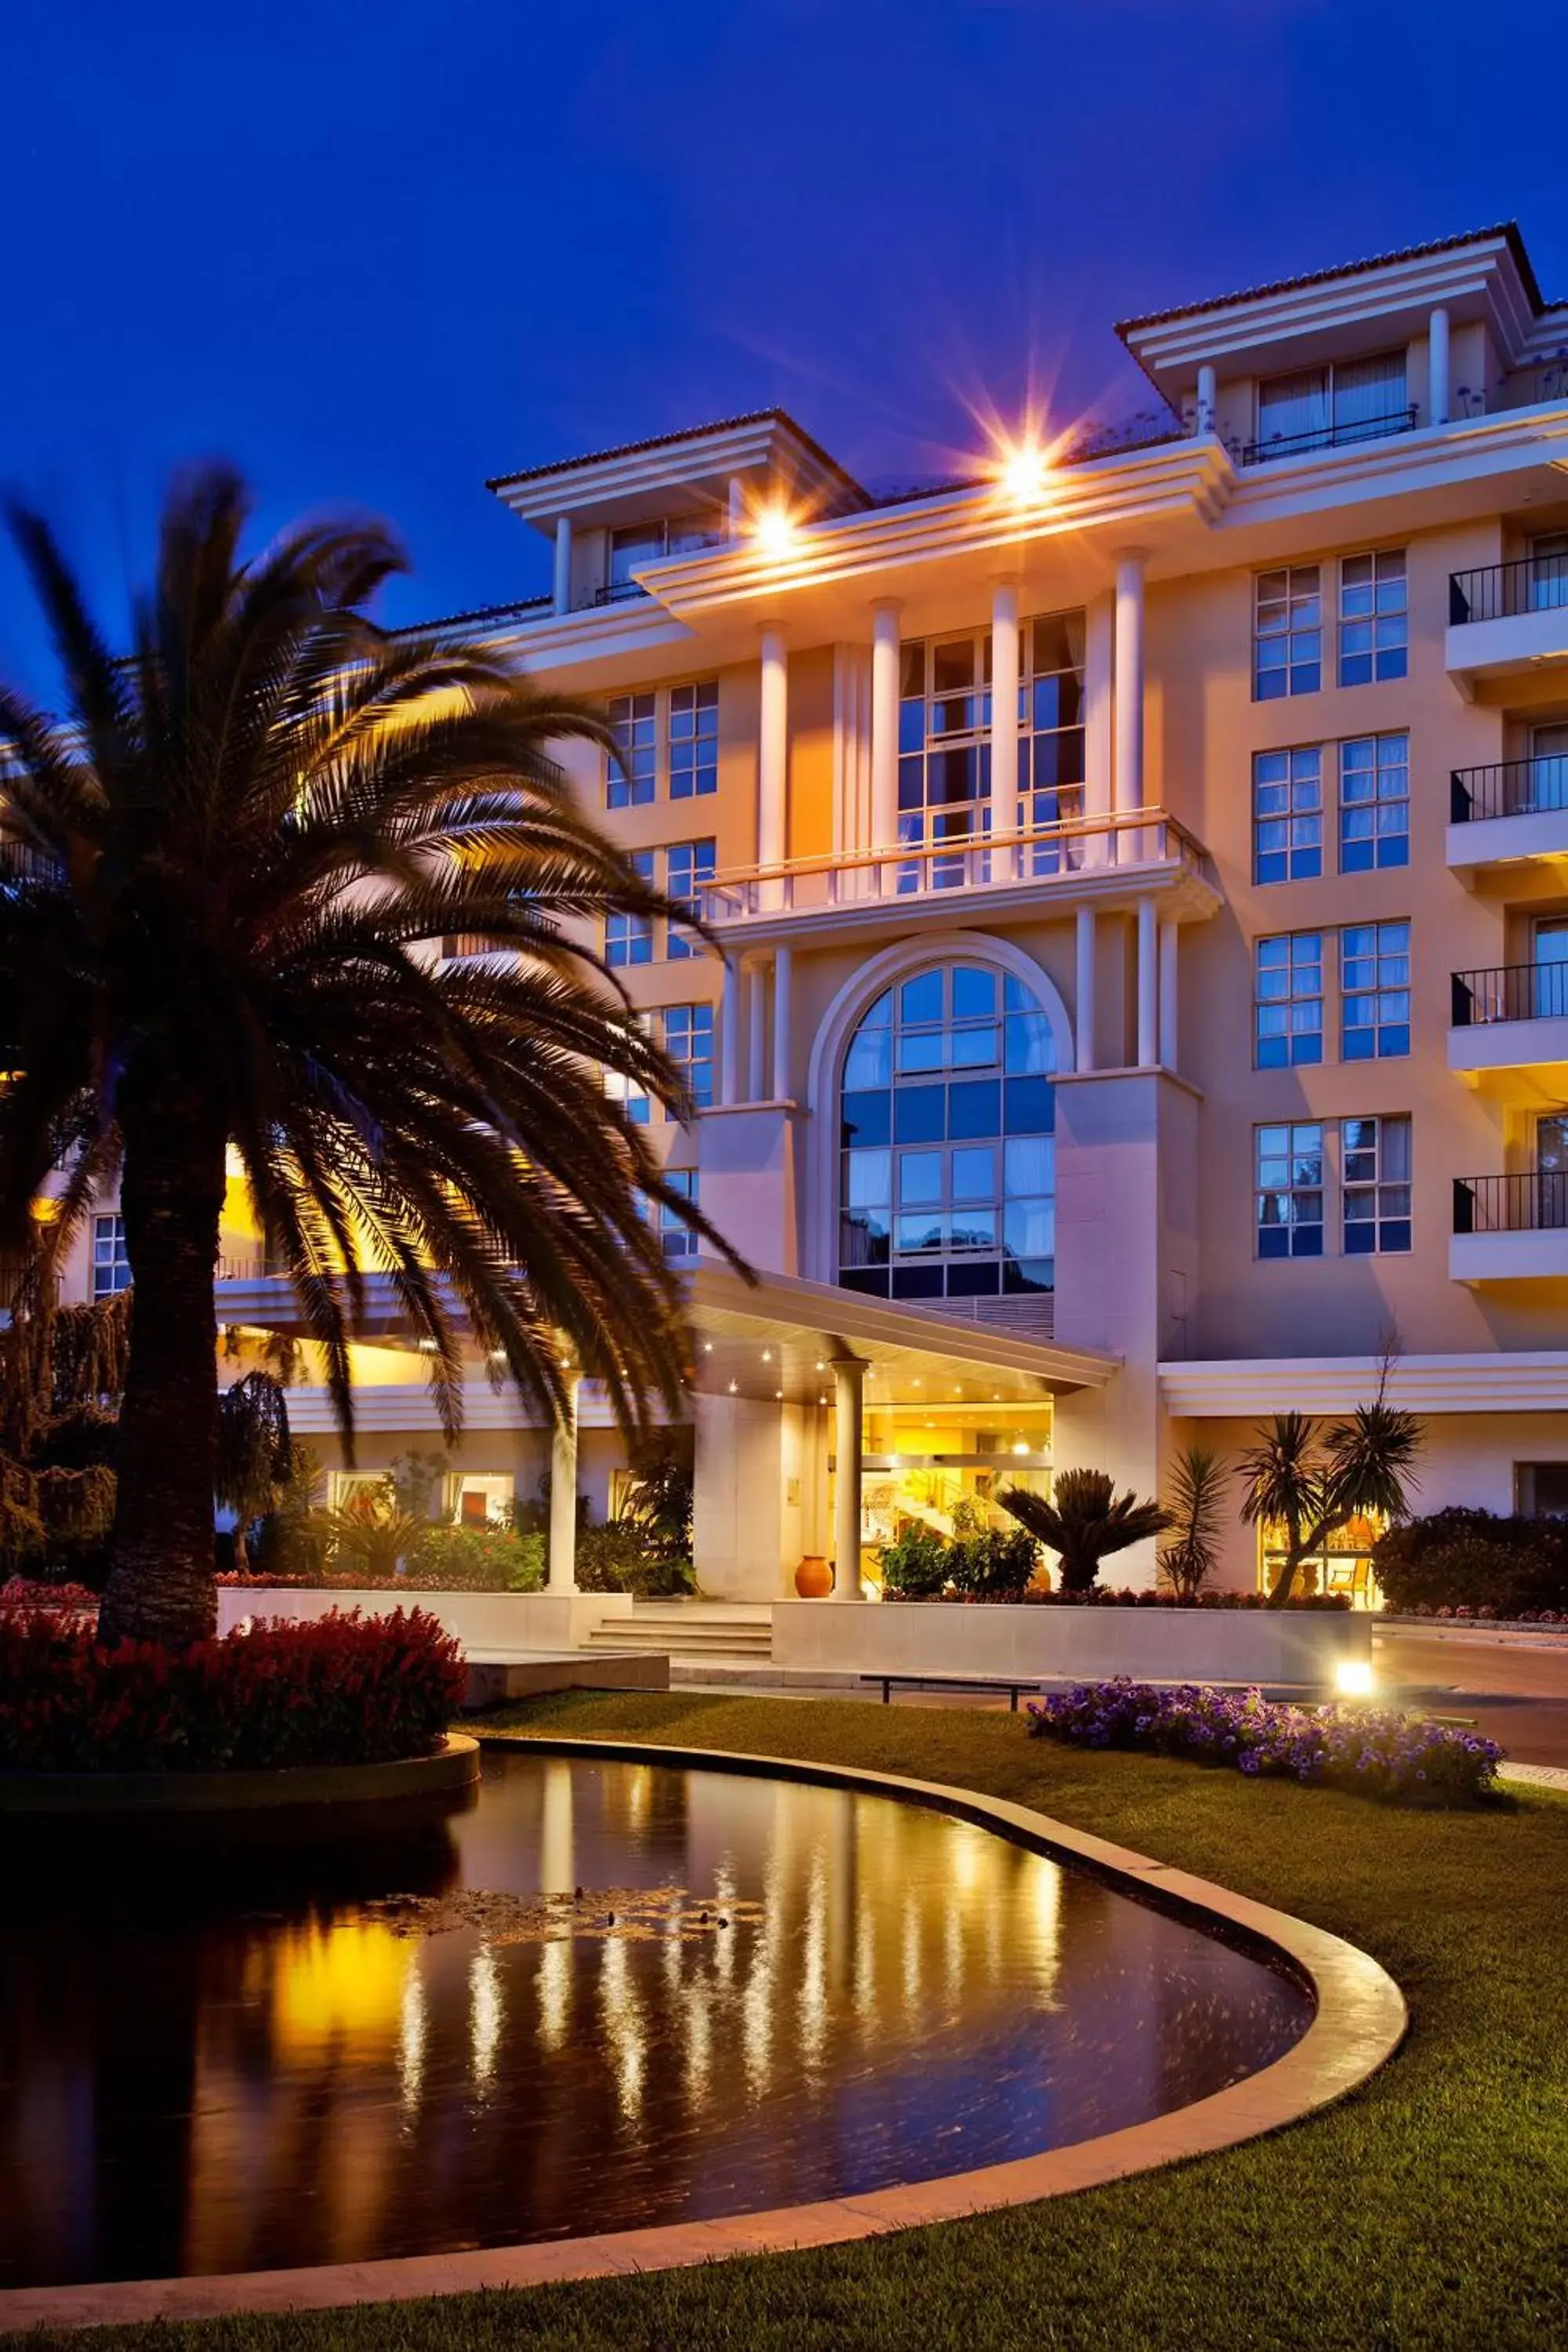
(161, 1581)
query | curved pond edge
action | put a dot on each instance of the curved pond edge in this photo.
(1359, 2019)
(104, 1795)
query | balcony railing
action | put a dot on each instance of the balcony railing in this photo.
(1537, 583)
(1511, 788)
(1068, 852)
(1509, 991)
(1329, 437)
(1536, 1202)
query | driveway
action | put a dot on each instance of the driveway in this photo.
(1515, 1687)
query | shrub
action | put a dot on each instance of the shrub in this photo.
(1474, 1560)
(476, 1559)
(629, 1556)
(915, 1565)
(993, 1566)
(1368, 1753)
(340, 1690)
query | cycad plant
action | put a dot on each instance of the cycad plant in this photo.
(223, 882)
(1084, 1522)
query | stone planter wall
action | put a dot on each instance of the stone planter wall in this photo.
(937, 1637)
(487, 1624)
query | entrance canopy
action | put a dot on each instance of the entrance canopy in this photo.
(780, 1337)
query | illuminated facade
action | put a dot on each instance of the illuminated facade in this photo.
(1142, 884)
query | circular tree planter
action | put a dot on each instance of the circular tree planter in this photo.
(451, 1770)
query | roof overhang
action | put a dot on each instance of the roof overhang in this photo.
(1339, 314)
(776, 1340)
(649, 478)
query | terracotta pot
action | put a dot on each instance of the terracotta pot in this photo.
(814, 1578)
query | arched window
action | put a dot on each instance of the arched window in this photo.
(947, 1168)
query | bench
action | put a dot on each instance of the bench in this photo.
(955, 1682)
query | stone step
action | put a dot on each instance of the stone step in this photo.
(699, 1639)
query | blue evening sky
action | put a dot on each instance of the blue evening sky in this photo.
(376, 251)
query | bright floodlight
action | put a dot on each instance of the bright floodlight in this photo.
(773, 531)
(1024, 474)
(1354, 1678)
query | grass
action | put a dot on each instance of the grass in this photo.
(1425, 2212)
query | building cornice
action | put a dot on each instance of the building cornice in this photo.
(1240, 1388)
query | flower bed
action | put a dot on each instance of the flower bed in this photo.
(1371, 1754)
(25, 1592)
(1124, 1597)
(337, 1690)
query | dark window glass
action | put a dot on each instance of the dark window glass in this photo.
(918, 1115)
(867, 1118)
(1030, 1107)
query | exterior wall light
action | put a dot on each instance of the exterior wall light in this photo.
(773, 532)
(1354, 1678)
(1025, 474)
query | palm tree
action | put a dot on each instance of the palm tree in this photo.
(1085, 1521)
(1311, 1484)
(1199, 1483)
(220, 885)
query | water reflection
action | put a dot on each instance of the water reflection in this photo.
(241, 2067)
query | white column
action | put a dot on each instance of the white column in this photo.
(1169, 1034)
(1130, 679)
(772, 750)
(730, 1038)
(848, 1372)
(1084, 1032)
(756, 1029)
(563, 563)
(735, 506)
(1098, 705)
(1208, 389)
(885, 657)
(1148, 984)
(782, 976)
(1437, 391)
(563, 1495)
(1004, 724)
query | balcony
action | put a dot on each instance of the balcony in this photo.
(1100, 860)
(1510, 1228)
(1508, 1031)
(1342, 436)
(1506, 815)
(1507, 619)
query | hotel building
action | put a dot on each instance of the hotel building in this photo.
(1141, 875)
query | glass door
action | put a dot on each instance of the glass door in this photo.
(1549, 995)
(1549, 767)
(1549, 571)
(1551, 1171)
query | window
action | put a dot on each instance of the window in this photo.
(1374, 991)
(1375, 1185)
(633, 1099)
(1289, 1000)
(1541, 1490)
(688, 1042)
(632, 779)
(1291, 1190)
(948, 1170)
(1375, 619)
(944, 754)
(1288, 816)
(1051, 754)
(1549, 571)
(111, 1266)
(1320, 408)
(1287, 633)
(694, 740)
(688, 864)
(637, 543)
(679, 1241)
(1374, 803)
(628, 939)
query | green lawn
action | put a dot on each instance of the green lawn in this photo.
(1430, 2211)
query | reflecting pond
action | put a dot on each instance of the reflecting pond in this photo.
(609, 1994)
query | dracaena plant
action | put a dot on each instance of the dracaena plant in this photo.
(224, 872)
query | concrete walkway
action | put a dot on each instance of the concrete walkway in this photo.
(1514, 1690)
